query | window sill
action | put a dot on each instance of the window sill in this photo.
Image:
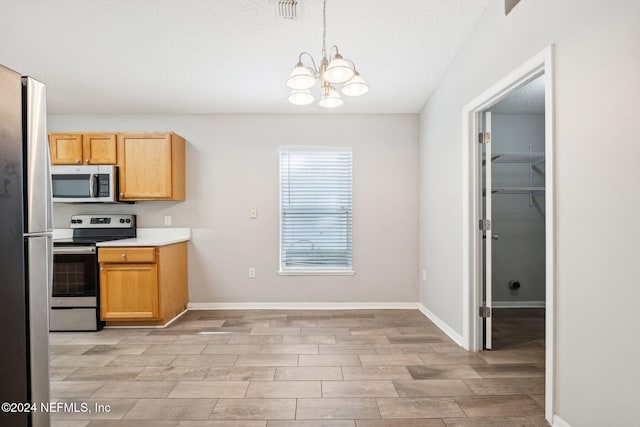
(317, 273)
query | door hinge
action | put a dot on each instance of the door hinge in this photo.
(484, 137)
(485, 312)
(485, 224)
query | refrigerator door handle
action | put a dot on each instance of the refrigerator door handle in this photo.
(40, 284)
(38, 174)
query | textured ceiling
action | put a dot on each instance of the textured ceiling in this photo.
(226, 56)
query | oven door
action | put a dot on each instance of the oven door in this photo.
(74, 297)
(75, 276)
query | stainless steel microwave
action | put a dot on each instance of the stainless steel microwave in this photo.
(85, 184)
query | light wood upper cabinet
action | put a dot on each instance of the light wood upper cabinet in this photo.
(82, 148)
(151, 166)
(65, 149)
(99, 148)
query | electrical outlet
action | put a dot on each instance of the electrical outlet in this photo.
(253, 213)
(167, 220)
(252, 273)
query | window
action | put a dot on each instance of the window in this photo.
(315, 211)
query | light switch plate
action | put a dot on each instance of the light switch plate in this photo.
(253, 213)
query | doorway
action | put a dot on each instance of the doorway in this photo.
(512, 172)
(532, 189)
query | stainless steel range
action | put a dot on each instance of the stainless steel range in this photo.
(75, 299)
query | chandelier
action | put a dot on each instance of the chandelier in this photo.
(333, 70)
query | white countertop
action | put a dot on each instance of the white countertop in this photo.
(152, 237)
(146, 237)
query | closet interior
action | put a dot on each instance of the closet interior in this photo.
(517, 190)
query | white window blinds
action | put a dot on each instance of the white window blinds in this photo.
(315, 210)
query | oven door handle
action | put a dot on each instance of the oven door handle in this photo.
(74, 250)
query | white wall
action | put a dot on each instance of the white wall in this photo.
(232, 166)
(519, 253)
(597, 69)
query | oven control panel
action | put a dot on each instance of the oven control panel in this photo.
(103, 221)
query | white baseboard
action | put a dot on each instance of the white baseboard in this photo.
(176, 317)
(559, 422)
(302, 306)
(457, 338)
(518, 304)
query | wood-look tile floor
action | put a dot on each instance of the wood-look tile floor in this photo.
(286, 368)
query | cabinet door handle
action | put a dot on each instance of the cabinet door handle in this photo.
(123, 255)
(78, 161)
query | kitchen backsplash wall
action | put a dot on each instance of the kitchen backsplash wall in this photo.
(150, 214)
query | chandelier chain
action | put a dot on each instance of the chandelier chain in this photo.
(324, 28)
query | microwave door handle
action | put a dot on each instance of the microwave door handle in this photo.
(92, 186)
(96, 185)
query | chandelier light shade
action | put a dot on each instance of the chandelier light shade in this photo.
(338, 71)
(301, 78)
(333, 70)
(301, 97)
(331, 99)
(355, 87)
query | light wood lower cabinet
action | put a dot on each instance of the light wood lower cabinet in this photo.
(129, 291)
(143, 285)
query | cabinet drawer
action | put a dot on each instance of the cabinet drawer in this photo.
(125, 255)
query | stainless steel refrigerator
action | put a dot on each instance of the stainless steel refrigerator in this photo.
(25, 250)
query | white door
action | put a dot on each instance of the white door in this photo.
(486, 226)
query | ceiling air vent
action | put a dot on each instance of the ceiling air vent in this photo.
(508, 5)
(287, 9)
